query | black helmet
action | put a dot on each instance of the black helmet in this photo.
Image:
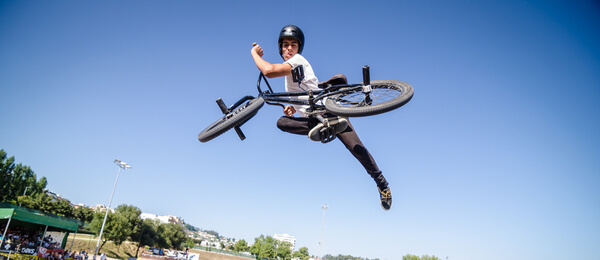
(291, 31)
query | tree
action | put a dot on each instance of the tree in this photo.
(171, 235)
(96, 225)
(284, 250)
(62, 207)
(84, 214)
(17, 179)
(118, 225)
(241, 246)
(145, 234)
(189, 243)
(302, 253)
(128, 219)
(7, 166)
(264, 247)
(41, 202)
(414, 257)
(256, 247)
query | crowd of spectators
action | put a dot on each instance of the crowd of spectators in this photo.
(62, 255)
(20, 236)
(81, 255)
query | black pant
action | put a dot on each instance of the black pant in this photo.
(302, 125)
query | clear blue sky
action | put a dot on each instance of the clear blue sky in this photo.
(496, 156)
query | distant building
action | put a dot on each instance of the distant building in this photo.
(286, 238)
(100, 208)
(163, 219)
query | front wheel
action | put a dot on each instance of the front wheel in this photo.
(385, 95)
(234, 118)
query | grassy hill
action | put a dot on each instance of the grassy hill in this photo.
(127, 249)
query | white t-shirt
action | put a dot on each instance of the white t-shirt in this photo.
(310, 80)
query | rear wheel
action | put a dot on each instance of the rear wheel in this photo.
(237, 117)
(385, 95)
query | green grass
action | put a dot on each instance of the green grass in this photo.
(88, 243)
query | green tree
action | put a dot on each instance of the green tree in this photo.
(424, 257)
(189, 243)
(41, 202)
(263, 247)
(171, 235)
(96, 225)
(17, 179)
(257, 246)
(145, 234)
(284, 250)
(128, 219)
(61, 207)
(302, 253)
(6, 168)
(84, 214)
(241, 246)
(118, 225)
(268, 248)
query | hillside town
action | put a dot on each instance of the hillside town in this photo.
(204, 238)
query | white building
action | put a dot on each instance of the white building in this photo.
(163, 219)
(286, 238)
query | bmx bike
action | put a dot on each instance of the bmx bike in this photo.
(347, 100)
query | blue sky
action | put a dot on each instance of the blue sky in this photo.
(496, 156)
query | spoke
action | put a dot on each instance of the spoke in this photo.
(358, 99)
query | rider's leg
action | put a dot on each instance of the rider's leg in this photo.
(302, 125)
(296, 125)
(350, 139)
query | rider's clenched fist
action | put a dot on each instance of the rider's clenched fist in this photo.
(289, 110)
(257, 49)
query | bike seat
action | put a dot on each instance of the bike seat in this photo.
(338, 79)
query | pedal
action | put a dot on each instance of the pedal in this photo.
(327, 134)
(239, 133)
(222, 106)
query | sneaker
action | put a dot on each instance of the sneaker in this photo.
(385, 196)
(320, 132)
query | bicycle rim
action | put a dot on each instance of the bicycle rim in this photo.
(386, 95)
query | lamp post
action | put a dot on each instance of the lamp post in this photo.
(24, 194)
(324, 207)
(124, 166)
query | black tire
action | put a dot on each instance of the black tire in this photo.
(237, 117)
(386, 95)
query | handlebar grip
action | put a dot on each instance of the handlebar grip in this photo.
(366, 75)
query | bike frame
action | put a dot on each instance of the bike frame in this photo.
(314, 96)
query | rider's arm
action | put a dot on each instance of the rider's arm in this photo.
(270, 70)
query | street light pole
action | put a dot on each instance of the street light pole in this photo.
(124, 166)
(24, 193)
(324, 207)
